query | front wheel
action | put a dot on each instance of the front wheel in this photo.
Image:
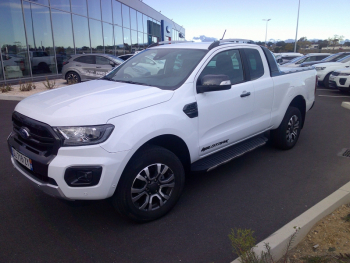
(287, 134)
(326, 80)
(150, 185)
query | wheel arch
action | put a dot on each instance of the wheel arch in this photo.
(71, 71)
(300, 103)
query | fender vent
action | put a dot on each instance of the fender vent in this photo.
(191, 110)
(345, 153)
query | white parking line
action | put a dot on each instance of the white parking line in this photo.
(334, 96)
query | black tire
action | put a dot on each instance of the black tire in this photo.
(287, 134)
(72, 76)
(326, 80)
(149, 157)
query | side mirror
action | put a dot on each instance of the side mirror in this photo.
(214, 83)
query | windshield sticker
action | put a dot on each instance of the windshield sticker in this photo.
(214, 145)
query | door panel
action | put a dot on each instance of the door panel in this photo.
(224, 116)
(103, 66)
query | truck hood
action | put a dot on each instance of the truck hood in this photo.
(90, 103)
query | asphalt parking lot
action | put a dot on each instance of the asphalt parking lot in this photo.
(263, 190)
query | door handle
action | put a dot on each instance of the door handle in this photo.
(98, 67)
(245, 94)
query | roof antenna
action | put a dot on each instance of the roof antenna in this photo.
(223, 35)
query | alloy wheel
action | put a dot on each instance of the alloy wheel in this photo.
(152, 187)
(292, 129)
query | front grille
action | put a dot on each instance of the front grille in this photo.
(335, 73)
(41, 146)
(42, 139)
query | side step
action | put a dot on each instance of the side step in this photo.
(212, 161)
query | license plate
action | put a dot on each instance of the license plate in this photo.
(22, 159)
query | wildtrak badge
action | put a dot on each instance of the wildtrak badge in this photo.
(214, 145)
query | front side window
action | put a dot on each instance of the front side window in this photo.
(255, 63)
(165, 68)
(225, 63)
(102, 60)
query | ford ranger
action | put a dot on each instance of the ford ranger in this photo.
(134, 137)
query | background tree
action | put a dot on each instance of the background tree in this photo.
(303, 42)
(335, 40)
(323, 43)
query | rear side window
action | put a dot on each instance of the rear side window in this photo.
(226, 63)
(255, 64)
(86, 59)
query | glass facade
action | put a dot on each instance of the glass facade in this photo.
(41, 34)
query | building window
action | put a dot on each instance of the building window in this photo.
(96, 36)
(63, 37)
(108, 38)
(126, 16)
(94, 9)
(117, 13)
(12, 41)
(106, 10)
(81, 34)
(79, 7)
(118, 40)
(60, 4)
(145, 26)
(140, 40)
(43, 2)
(139, 22)
(133, 19)
(127, 41)
(41, 54)
(134, 41)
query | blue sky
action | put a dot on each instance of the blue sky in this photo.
(243, 18)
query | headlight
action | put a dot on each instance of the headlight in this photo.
(85, 135)
(320, 68)
(344, 74)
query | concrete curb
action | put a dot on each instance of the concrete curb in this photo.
(12, 97)
(346, 105)
(279, 240)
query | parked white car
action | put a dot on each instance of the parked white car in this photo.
(135, 139)
(340, 79)
(307, 58)
(325, 70)
(283, 58)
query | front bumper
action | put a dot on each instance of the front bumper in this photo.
(340, 82)
(47, 188)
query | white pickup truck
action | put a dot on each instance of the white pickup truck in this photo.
(134, 139)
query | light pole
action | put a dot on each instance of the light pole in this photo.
(296, 34)
(267, 20)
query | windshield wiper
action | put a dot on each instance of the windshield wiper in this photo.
(106, 78)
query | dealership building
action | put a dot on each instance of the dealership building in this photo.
(37, 36)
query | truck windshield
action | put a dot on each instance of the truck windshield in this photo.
(164, 68)
(297, 59)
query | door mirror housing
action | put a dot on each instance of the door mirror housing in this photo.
(214, 83)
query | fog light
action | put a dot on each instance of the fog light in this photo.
(342, 81)
(83, 176)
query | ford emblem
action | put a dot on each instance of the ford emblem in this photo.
(24, 132)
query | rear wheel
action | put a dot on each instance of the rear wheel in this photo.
(287, 134)
(150, 185)
(72, 77)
